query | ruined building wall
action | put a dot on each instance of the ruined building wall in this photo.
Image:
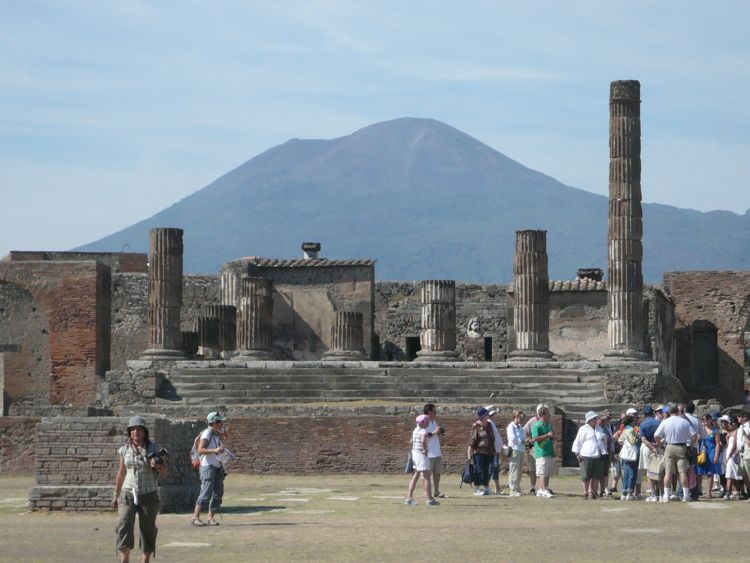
(722, 299)
(24, 335)
(398, 309)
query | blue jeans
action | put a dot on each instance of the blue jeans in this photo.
(482, 469)
(212, 488)
(629, 474)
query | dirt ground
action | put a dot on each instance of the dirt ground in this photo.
(363, 518)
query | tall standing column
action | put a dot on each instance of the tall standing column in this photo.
(346, 337)
(625, 327)
(531, 294)
(438, 336)
(255, 320)
(165, 295)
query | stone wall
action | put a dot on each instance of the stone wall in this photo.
(398, 312)
(77, 461)
(723, 299)
(17, 445)
(117, 261)
(74, 299)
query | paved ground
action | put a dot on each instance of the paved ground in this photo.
(363, 518)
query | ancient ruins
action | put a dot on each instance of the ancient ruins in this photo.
(86, 339)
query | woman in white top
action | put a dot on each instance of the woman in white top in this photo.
(732, 470)
(517, 444)
(212, 474)
(421, 462)
(587, 448)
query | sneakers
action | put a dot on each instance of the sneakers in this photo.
(673, 497)
(478, 492)
(544, 494)
(664, 499)
(516, 494)
(439, 495)
(432, 502)
(726, 497)
(687, 499)
(532, 491)
(487, 491)
(410, 502)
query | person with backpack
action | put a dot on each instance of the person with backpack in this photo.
(210, 448)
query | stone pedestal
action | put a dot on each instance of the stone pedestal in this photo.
(346, 337)
(438, 336)
(625, 327)
(208, 337)
(531, 292)
(255, 320)
(165, 295)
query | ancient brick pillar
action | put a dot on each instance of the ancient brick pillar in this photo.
(438, 336)
(346, 337)
(625, 327)
(531, 295)
(227, 325)
(255, 320)
(165, 295)
(208, 336)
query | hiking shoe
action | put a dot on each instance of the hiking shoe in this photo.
(432, 502)
(687, 499)
(532, 491)
(544, 494)
(410, 502)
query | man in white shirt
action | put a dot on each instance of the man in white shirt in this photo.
(433, 448)
(676, 434)
(743, 444)
(498, 449)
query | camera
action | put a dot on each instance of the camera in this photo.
(157, 456)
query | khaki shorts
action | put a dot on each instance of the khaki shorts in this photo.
(436, 465)
(545, 466)
(146, 510)
(676, 459)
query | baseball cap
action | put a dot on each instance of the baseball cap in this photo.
(631, 410)
(422, 418)
(214, 417)
(666, 410)
(590, 415)
(491, 409)
(483, 411)
(648, 410)
(725, 418)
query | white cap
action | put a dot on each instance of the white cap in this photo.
(492, 409)
(725, 418)
(539, 408)
(631, 410)
(590, 415)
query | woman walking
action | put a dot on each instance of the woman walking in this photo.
(517, 444)
(481, 451)
(421, 462)
(136, 490)
(211, 447)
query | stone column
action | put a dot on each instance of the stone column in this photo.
(190, 342)
(208, 336)
(165, 295)
(255, 320)
(230, 286)
(438, 336)
(227, 330)
(531, 294)
(625, 327)
(346, 337)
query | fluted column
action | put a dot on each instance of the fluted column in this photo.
(346, 337)
(255, 320)
(165, 295)
(227, 329)
(231, 282)
(208, 336)
(625, 327)
(438, 336)
(531, 295)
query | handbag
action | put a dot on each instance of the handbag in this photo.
(409, 468)
(702, 456)
(628, 452)
(467, 475)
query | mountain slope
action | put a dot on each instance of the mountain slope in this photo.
(425, 200)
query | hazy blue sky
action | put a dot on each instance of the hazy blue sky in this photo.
(111, 111)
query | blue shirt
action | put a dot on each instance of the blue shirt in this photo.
(648, 427)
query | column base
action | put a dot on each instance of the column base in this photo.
(252, 355)
(427, 356)
(532, 355)
(625, 355)
(209, 353)
(346, 355)
(159, 354)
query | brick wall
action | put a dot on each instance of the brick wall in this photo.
(722, 298)
(74, 298)
(17, 444)
(117, 261)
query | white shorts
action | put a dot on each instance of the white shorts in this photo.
(545, 466)
(645, 459)
(421, 462)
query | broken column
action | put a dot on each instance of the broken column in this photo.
(625, 288)
(208, 336)
(346, 337)
(531, 294)
(190, 342)
(226, 316)
(255, 320)
(165, 295)
(438, 336)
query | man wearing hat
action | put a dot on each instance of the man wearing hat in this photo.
(649, 451)
(210, 447)
(495, 468)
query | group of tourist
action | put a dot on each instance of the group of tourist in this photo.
(670, 446)
(141, 463)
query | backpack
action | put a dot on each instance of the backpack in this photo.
(195, 457)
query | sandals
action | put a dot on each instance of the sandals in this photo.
(197, 522)
(211, 522)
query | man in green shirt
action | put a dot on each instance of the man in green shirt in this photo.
(543, 437)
